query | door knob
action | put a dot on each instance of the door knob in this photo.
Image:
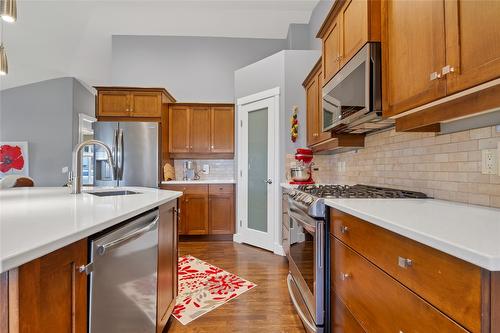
(269, 181)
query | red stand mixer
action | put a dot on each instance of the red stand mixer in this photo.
(301, 173)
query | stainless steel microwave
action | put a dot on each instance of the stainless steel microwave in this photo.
(352, 99)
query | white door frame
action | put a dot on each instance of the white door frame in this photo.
(274, 199)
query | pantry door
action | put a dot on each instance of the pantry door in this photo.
(258, 173)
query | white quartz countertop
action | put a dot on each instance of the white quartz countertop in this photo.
(206, 181)
(38, 220)
(468, 232)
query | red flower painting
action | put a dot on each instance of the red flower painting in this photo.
(11, 157)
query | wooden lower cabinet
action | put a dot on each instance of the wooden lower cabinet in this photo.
(205, 209)
(47, 294)
(385, 282)
(167, 264)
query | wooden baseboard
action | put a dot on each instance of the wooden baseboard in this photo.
(205, 238)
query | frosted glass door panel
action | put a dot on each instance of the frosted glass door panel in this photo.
(257, 169)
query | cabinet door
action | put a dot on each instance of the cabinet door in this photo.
(52, 293)
(472, 43)
(322, 136)
(145, 104)
(114, 103)
(331, 52)
(312, 111)
(196, 213)
(221, 210)
(200, 130)
(178, 129)
(182, 217)
(354, 28)
(222, 130)
(413, 47)
(167, 263)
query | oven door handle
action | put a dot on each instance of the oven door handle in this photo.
(297, 218)
(307, 323)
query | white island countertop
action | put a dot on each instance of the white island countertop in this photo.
(38, 220)
(200, 182)
(468, 232)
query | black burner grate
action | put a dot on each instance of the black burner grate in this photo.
(358, 191)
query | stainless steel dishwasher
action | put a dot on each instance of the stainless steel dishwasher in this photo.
(123, 275)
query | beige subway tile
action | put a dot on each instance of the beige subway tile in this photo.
(458, 177)
(489, 143)
(441, 158)
(495, 201)
(460, 136)
(468, 145)
(450, 166)
(480, 133)
(449, 148)
(441, 139)
(477, 177)
(468, 166)
(479, 199)
(458, 157)
(474, 155)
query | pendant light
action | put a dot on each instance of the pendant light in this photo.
(8, 10)
(4, 67)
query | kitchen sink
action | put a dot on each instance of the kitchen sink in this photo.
(112, 193)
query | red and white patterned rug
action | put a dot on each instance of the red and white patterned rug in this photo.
(204, 287)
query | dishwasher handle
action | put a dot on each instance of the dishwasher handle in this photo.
(101, 249)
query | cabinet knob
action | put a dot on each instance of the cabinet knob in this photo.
(404, 262)
(344, 229)
(126, 109)
(435, 76)
(212, 146)
(345, 276)
(447, 70)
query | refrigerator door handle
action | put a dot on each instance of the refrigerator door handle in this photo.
(121, 154)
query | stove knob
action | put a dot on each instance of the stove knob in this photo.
(308, 200)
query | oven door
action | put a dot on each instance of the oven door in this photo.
(307, 266)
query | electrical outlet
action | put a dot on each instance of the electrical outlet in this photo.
(206, 169)
(489, 164)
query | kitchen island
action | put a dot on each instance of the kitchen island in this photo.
(44, 247)
(431, 265)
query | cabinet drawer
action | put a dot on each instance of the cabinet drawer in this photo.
(380, 303)
(220, 188)
(450, 284)
(187, 189)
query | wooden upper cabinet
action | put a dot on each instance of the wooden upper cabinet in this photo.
(349, 25)
(131, 102)
(222, 129)
(200, 130)
(331, 51)
(312, 111)
(145, 104)
(472, 43)
(413, 49)
(113, 103)
(314, 106)
(179, 128)
(353, 18)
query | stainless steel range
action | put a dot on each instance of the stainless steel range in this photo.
(307, 256)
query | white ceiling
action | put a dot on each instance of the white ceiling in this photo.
(73, 37)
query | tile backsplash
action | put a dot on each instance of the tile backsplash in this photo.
(219, 169)
(442, 166)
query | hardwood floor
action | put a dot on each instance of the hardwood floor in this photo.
(266, 308)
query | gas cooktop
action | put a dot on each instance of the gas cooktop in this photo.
(310, 198)
(358, 191)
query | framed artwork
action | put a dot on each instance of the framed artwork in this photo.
(14, 158)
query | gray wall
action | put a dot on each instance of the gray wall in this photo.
(287, 70)
(192, 69)
(43, 114)
(318, 15)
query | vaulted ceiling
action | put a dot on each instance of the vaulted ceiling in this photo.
(73, 37)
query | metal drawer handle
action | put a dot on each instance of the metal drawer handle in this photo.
(307, 323)
(101, 249)
(344, 229)
(345, 276)
(404, 262)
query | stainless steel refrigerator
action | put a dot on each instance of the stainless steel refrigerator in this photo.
(135, 152)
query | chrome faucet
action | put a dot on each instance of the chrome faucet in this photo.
(75, 176)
